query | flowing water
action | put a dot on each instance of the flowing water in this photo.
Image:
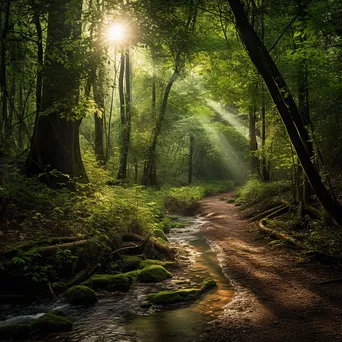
(126, 317)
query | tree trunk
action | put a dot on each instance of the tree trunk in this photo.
(125, 112)
(4, 24)
(56, 140)
(150, 176)
(100, 101)
(286, 107)
(191, 157)
(253, 146)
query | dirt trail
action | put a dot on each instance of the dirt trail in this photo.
(278, 296)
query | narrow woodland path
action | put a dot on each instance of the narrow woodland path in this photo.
(279, 297)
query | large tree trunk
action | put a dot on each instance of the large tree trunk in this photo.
(286, 106)
(55, 143)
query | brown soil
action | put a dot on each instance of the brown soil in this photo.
(279, 296)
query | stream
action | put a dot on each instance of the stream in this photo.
(126, 317)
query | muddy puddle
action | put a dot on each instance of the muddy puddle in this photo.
(125, 317)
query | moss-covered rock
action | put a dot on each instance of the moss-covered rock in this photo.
(80, 294)
(50, 323)
(208, 284)
(149, 262)
(117, 282)
(58, 313)
(129, 262)
(174, 296)
(153, 274)
(113, 268)
(44, 325)
(133, 274)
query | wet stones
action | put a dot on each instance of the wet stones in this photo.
(51, 322)
(153, 274)
(81, 295)
(208, 284)
(118, 282)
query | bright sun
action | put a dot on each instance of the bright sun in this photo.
(116, 33)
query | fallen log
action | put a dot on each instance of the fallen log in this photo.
(279, 235)
(155, 245)
(29, 245)
(280, 209)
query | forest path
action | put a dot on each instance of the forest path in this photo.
(278, 296)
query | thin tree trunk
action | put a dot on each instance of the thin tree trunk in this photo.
(150, 176)
(286, 107)
(191, 157)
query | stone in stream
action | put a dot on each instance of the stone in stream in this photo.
(81, 295)
(44, 325)
(118, 282)
(174, 296)
(153, 274)
(208, 284)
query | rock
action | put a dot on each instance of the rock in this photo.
(50, 323)
(208, 284)
(79, 294)
(117, 282)
(44, 325)
(153, 274)
(58, 313)
(129, 262)
(174, 296)
(149, 262)
(145, 304)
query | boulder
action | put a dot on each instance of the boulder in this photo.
(81, 295)
(153, 274)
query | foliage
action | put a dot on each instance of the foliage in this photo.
(254, 191)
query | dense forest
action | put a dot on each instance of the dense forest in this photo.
(117, 117)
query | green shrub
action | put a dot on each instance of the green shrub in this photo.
(255, 191)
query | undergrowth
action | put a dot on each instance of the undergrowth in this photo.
(263, 196)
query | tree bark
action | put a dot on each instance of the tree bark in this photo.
(191, 157)
(56, 140)
(286, 107)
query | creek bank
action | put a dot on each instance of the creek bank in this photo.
(118, 315)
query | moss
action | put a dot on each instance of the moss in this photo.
(158, 233)
(133, 274)
(129, 262)
(117, 282)
(208, 284)
(50, 323)
(153, 274)
(113, 268)
(58, 313)
(15, 332)
(231, 200)
(149, 262)
(44, 325)
(176, 296)
(79, 294)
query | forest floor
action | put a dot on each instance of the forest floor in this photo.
(279, 295)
